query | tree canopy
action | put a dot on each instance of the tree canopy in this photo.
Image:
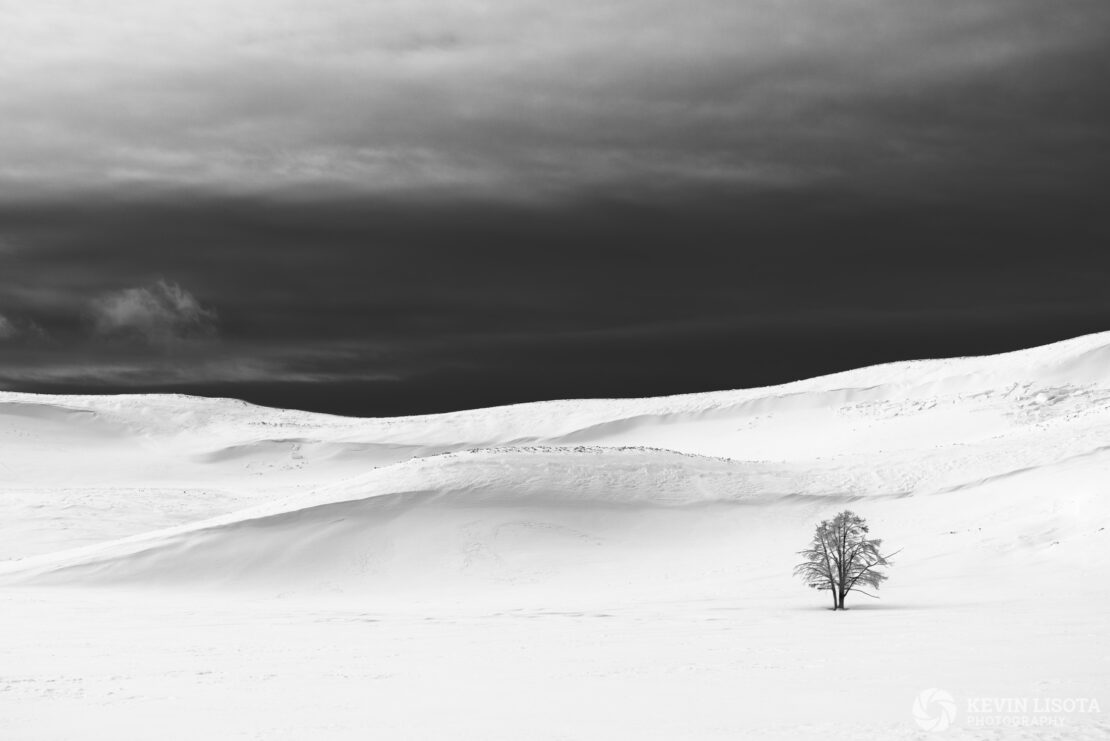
(842, 558)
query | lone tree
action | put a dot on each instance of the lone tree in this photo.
(842, 558)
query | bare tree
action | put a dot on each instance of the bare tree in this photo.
(842, 559)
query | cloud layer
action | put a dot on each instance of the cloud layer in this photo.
(529, 99)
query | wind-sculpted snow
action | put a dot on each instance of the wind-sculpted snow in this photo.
(466, 484)
(148, 479)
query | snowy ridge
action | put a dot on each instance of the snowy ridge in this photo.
(1079, 361)
(131, 475)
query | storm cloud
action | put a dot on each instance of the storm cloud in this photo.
(406, 207)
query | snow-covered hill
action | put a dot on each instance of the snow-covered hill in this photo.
(991, 474)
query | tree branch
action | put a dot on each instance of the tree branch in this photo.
(873, 596)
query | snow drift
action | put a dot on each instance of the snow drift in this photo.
(173, 490)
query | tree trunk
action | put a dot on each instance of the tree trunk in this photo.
(833, 592)
(842, 596)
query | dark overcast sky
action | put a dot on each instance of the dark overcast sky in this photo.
(402, 207)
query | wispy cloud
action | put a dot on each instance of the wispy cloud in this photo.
(130, 367)
(8, 331)
(162, 314)
(22, 331)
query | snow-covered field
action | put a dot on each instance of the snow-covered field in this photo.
(186, 568)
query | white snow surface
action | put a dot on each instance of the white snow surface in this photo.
(181, 567)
